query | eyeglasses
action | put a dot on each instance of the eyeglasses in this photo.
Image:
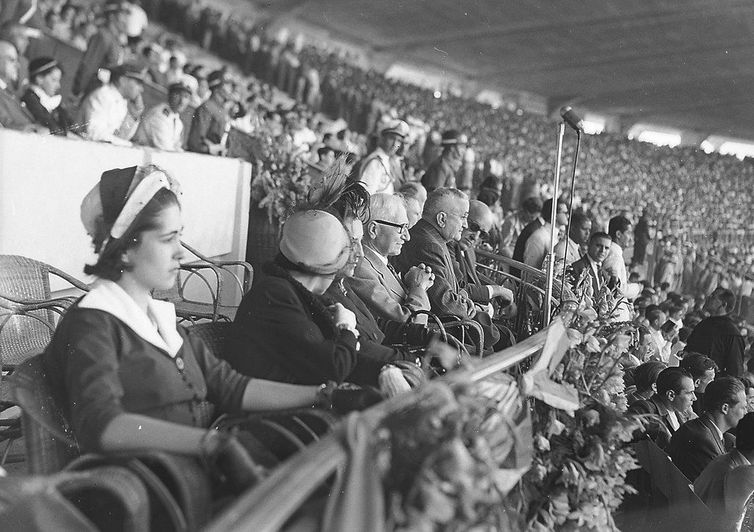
(402, 227)
(474, 228)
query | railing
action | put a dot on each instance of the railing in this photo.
(529, 289)
(268, 506)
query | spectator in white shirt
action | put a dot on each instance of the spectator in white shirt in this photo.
(161, 126)
(112, 112)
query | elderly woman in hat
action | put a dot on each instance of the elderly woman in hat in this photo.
(129, 377)
(284, 329)
(42, 98)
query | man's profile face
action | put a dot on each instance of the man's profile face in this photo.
(685, 397)
(456, 217)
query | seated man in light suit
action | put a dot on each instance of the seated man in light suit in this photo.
(376, 282)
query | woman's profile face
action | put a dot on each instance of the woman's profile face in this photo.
(155, 260)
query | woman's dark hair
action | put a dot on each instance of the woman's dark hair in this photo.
(110, 263)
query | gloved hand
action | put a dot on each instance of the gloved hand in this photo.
(228, 460)
(348, 399)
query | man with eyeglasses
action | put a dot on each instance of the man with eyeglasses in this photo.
(481, 289)
(388, 295)
(443, 220)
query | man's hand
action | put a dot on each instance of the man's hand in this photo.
(503, 293)
(220, 150)
(420, 276)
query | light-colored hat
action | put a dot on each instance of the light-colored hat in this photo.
(395, 127)
(120, 195)
(316, 242)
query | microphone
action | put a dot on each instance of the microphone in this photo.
(571, 118)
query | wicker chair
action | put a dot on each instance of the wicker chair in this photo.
(283, 433)
(27, 309)
(213, 274)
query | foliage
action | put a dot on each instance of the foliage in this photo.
(282, 179)
(580, 466)
(450, 458)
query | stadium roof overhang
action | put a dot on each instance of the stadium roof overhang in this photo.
(680, 63)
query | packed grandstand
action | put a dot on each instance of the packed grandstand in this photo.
(350, 170)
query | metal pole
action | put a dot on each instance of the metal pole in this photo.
(570, 210)
(553, 226)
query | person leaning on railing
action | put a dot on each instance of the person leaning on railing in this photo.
(128, 377)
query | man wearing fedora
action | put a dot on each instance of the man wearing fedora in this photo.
(42, 97)
(442, 171)
(211, 123)
(161, 126)
(111, 113)
(377, 170)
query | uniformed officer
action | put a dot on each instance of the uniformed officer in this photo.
(161, 126)
(211, 123)
(442, 171)
(377, 173)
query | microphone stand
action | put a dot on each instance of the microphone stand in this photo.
(570, 210)
(553, 228)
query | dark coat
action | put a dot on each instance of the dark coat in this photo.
(285, 333)
(428, 247)
(439, 174)
(720, 339)
(468, 278)
(58, 121)
(373, 334)
(99, 368)
(103, 50)
(660, 430)
(523, 237)
(446, 297)
(579, 266)
(13, 115)
(695, 444)
(208, 124)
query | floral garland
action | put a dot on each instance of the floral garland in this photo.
(446, 459)
(282, 179)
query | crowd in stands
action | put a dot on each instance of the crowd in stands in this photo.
(422, 183)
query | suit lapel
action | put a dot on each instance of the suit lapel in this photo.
(387, 278)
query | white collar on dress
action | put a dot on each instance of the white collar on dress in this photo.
(48, 102)
(158, 326)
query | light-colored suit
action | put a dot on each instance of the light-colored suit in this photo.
(384, 293)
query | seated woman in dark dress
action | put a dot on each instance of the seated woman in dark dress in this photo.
(129, 377)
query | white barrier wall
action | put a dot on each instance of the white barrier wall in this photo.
(44, 179)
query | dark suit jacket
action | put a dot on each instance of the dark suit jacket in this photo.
(583, 264)
(660, 431)
(518, 250)
(58, 121)
(720, 339)
(428, 247)
(695, 444)
(283, 332)
(12, 113)
(384, 293)
(439, 173)
(468, 278)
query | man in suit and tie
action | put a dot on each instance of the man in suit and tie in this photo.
(587, 270)
(728, 480)
(387, 295)
(675, 394)
(481, 289)
(699, 441)
(443, 219)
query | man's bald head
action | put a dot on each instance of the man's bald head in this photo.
(385, 206)
(481, 215)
